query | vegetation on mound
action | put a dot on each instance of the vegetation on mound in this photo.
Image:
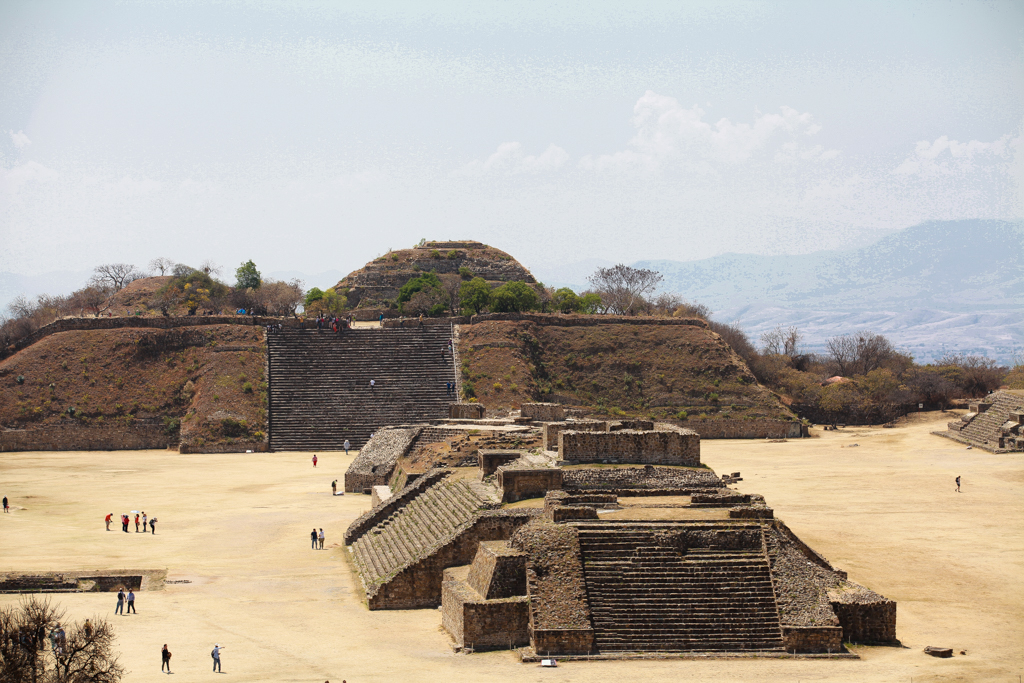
(667, 372)
(184, 377)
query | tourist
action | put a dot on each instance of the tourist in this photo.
(145, 522)
(136, 522)
(165, 659)
(320, 538)
(152, 525)
(443, 349)
(347, 446)
(124, 523)
(120, 602)
(7, 508)
(314, 460)
(131, 602)
(312, 536)
(334, 487)
(372, 384)
(216, 656)
(108, 518)
(958, 484)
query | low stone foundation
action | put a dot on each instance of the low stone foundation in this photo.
(520, 484)
(490, 459)
(72, 436)
(563, 641)
(869, 621)
(746, 429)
(675, 447)
(551, 430)
(812, 639)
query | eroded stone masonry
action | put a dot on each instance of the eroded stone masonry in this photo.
(625, 546)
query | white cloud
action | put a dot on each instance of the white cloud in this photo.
(19, 139)
(511, 158)
(21, 174)
(948, 157)
(667, 132)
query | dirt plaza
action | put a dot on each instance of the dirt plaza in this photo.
(233, 536)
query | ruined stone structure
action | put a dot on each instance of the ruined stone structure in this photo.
(320, 394)
(543, 412)
(628, 446)
(377, 459)
(466, 411)
(995, 424)
(73, 436)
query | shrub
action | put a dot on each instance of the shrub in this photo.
(452, 255)
(682, 415)
(247, 387)
(231, 427)
(497, 386)
(435, 254)
(465, 273)
(172, 425)
(468, 390)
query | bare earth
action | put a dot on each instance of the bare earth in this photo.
(237, 527)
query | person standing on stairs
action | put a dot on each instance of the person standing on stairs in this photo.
(372, 384)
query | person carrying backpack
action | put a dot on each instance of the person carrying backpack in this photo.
(215, 653)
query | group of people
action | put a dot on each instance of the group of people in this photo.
(317, 537)
(122, 597)
(147, 524)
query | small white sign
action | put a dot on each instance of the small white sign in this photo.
(548, 662)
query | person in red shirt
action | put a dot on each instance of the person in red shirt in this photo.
(136, 522)
(107, 519)
(314, 460)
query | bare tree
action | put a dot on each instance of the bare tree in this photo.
(161, 264)
(622, 288)
(860, 353)
(38, 645)
(781, 342)
(210, 268)
(115, 275)
(451, 283)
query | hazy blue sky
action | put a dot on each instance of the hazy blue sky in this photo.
(316, 135)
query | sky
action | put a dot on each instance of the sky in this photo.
(314, 136)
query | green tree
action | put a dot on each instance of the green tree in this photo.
(513, 297)
(590, 303)
(423, 282)
(247, 277)
(566, 301)
(313, 296)
(475, 294)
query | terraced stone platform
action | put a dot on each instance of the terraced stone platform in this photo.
(995, 423)
(650, 591)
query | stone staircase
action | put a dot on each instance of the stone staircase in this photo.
(432, 519)
(985, 428)
(319, 391)
(646, 597)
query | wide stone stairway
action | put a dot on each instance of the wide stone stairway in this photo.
(984, 428)
(320, 395)
(430, 520)
(645, 596)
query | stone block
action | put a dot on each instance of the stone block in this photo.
(520, 484)
(379, 494)
(543, 412)
(670, 447)
(491, 459)
(466, 411)
(866, 621)
(498, 571)
(812, 639)
(567, 513)
(478, 623)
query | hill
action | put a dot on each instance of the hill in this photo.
(376, 284)
(208, 381)
(613, 368)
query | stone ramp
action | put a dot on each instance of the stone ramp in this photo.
(648, 591)
(319, 393)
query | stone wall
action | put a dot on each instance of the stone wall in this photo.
(640, 425)
(490, 459)
(645, 479)
(570, 513)
(377, 459)
(236, 447)
(563, 641)
(466, 411)
(676, 447)
(866, 618)
(746, 429)
(520, 484)
(543, 412)
(560, 320)
(378, 495)
(419, 585)
(73, 436)
(551, 430)
(498, 571)
(812, 639)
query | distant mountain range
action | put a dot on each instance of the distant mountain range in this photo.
(935, 287)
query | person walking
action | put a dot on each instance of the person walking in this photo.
(120, 602)
(108, 519)
(165, 659)
(7, 508)
(145, 522)
(152, 525)
(958, 484)
(312, 536)
(372, 384)
(320, 539)
(334, 487)
(131, 602)
(216, 657)
(136, 522)
(347, 446)
(314, 460)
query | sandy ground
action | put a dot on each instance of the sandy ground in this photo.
(237, 527)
